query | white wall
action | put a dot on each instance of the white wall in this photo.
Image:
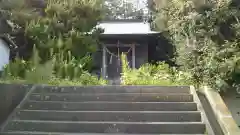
(4, 54)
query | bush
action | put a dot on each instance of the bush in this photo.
(50, 72)
(159, 74)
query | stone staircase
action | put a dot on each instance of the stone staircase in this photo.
(103, 110)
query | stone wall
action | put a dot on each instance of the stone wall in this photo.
(10, 96)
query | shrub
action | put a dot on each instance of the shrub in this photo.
(159, 74)
(50, 72)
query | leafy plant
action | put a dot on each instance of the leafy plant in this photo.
(56, 33)
(160, 74)
(50, 72)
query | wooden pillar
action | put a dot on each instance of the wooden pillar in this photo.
(104, 66)
(133, 56)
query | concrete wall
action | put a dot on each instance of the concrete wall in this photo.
(210, 114)
(10, 96)
(232, 100)
(222, 111)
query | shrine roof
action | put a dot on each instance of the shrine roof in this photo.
(126, 28)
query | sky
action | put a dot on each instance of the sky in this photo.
(140, 3)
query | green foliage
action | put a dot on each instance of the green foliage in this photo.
(160, 74)
(51, 72)
(59, 82)
(16, 68)
(84, 79)
(207, 37)
(58, 30)
(64, 26)
(71, 67)
(33, 72)
(18, 12)
(54, 26)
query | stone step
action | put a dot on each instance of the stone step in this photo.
(127, 116)
(110, 106)
(133, 97)
(108, 127)
(113, 89)
(55, 133)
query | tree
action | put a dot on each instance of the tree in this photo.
(122, 9)
(14, 15)
(59, 29)
(206, 36)
(63, 24)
